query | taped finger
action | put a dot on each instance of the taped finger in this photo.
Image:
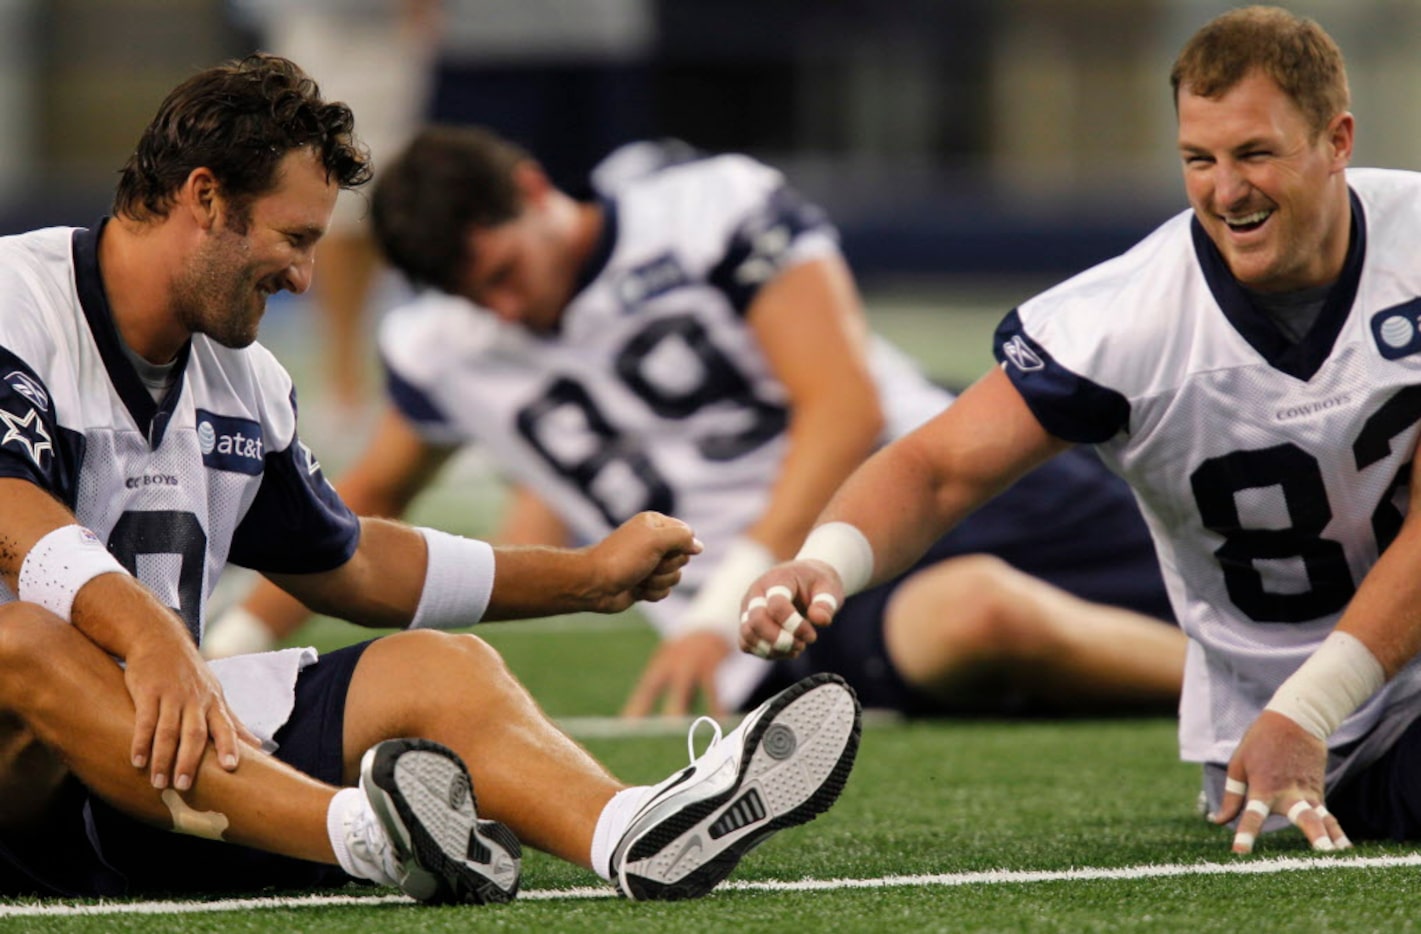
(784, 642)
(1307, 819)
(755, 604)
(828, 599)
(779, 590)
(1244, 839)
(761, 648)
(1233, 786)
(1339, 837)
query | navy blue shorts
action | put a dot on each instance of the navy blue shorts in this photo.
(1071, 522)
(1383, 801)
(90, 849)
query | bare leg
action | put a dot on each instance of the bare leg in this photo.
(973, 631)
(71, 697)
(456, 690)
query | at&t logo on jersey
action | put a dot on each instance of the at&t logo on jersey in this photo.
(657, 277)
(233, 444)
(1397, 330)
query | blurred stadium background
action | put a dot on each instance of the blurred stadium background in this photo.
(970, 151)
(948, 138)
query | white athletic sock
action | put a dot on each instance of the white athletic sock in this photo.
(613, 823)
(357, 838)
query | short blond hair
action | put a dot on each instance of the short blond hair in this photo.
(1294, 51)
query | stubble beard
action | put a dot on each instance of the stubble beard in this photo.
(219, 298)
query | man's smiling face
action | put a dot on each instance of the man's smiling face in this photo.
(1268, 189)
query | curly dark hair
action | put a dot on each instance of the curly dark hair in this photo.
(238, 119)
(447, 181)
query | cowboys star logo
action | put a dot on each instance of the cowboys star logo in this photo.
(28, 431)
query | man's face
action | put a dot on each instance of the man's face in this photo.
(1270, 194)
(222, 292)
(523, 269)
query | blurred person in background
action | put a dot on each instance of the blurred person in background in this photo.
(691, 340)
(378, 57)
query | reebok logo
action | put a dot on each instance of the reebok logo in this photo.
(1021, 355)
(29, 387)
(231, 444)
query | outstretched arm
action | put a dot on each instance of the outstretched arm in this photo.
(403, 576)
(895, 506)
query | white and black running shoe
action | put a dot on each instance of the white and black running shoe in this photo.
(783, 765)
(422, 796)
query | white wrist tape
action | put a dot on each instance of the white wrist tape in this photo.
(844, 548)
(60, 564)
(1336, 680)
(458, 581)
(716, 607)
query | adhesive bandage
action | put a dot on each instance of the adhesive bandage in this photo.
(209, 824)
(61, 563)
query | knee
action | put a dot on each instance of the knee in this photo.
(428, 657)
(976, 608)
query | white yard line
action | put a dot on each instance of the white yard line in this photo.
(989, 877)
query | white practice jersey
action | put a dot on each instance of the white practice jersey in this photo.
(212, 473)
(655, 393)
(1271, 474)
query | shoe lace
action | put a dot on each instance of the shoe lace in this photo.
(367, 840)
(691, 737)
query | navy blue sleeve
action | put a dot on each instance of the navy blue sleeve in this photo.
(1066, 404)
(33, 445)
(411, 401)
(298, 524)
(759, 247)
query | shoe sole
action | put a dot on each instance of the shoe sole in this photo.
(797, 760)
(421, 789)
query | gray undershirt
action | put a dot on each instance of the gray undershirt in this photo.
(1293, 313)
(157, 377)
